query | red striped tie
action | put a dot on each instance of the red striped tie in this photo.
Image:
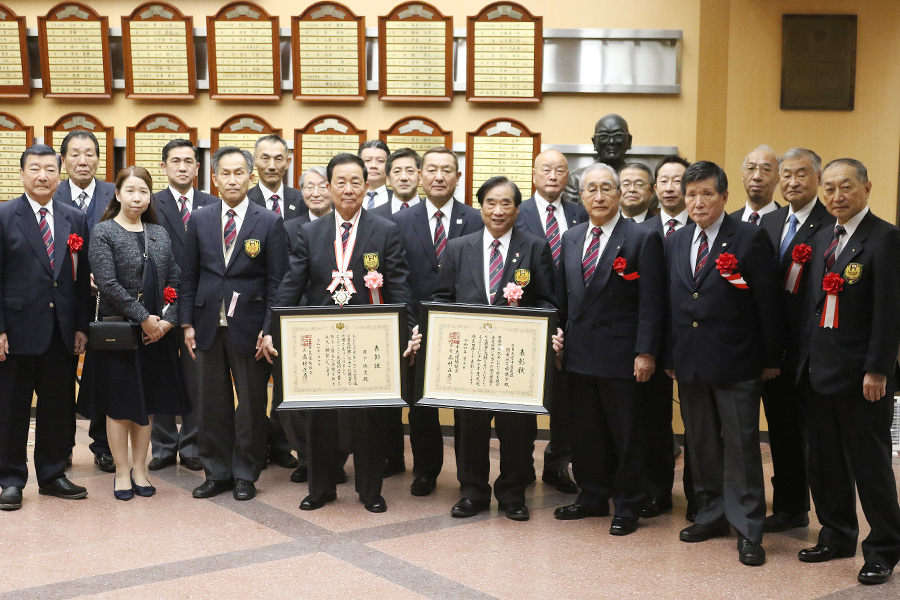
(553, 236)
(230, 230)
(47, 235)
(590, 256)
(831, 253)
(671, 223)
(345, 235)
(754, 218)
(440, 236)
(275, 208)
(496, 268)
(702, 254)
(185, 214)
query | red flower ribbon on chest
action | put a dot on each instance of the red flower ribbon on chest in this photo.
(727, 265)
(619, 266)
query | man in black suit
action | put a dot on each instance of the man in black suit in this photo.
(759, 173)
(43, 320)
(425, 230)
(546, 215)
(404, 171)
(474, 270)
(80, 151)
(174, 205)
(726, 336)
(374, 154)
(789, 227)
(313, 261)
(849, 355)
(611, 289)
(234, 259)
(637, 191)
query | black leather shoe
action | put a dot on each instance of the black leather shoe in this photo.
(560, 480)
(313, 502)
(393, 466)
(656, 505)
(517, 511)
(572, 512)
(422, 486)
(467, 508)
(623, 526)
(341, 476)
(243, 490)
(105, 463)
(211, 488)
(374, 504)
(824, 553)
(161, 463)
(62, 488)
(750, 553)
(691, 513)
(284, 460)
(784, 521)
(192, 463)
(11, 498)
(701, 533)
(300, 475)
(873, 574)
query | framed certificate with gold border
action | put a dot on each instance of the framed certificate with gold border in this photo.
(341, 357)
(486, 357)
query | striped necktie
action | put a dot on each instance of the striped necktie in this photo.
(404, 205)
(590, 256)
(754, 218)
(440, 236)
(345, 235)
(275, 207)
(671, 223)
(831, 253)
(702, 254)
(185, 213)
(496, 268)
(553, 236)
(46, 234)
(230, 231)
(370, 204)
(82, 201)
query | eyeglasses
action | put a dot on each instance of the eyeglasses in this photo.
(606, 189)
(310, 188)
(604, 138)
(638, 185)
(750, 168)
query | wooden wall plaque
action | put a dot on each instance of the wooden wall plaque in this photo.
(241, 131)
(415, 54)
(158, 48)
(244, 56)
(328, 43)
(56, 133)
(75, 58)
(504, 57)
(321, 139)
(500, 147)
(15, 138)
(146, 140)
(15, 78)
(418, 133)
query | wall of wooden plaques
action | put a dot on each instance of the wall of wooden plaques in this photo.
(322, 138)
(15, 81)
(329, 51)
(56, 133)
(147, 139)
(14, 139)
(244, 58)
(75, 58)
(501, 147)
(158, 48)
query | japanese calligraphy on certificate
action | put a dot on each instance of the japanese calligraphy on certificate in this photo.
(504, 62)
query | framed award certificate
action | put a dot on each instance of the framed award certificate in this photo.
(485, 357)
(341, 357)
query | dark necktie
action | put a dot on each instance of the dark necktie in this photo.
(496, 268)
(184, 212)
(230, 231)
(590, 256)
(671, 223)
(630, 219)
(46, 234)
(371, 202)
(791, 232)
(275, 207)
(553, 236)
(702, 254)
(404, 205)
(440, 236)
(831, 253)
(345, 235)
(82, 201)
(754, 218)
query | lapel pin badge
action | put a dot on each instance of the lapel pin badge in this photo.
(724, 244)
(459, 221)
(292, 207)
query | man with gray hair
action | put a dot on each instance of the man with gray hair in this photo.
(636, 184)
(760, 176)
(234, 260)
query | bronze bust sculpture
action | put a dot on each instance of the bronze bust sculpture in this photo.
(611, 141)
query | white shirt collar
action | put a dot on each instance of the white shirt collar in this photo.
(36, 207)
(712, 231)
(488, 238)
(340, 220)
(240, 210)
(189, 195)
(681, 217)
(396, 202)
(447, 209)
(76, 191)
(267, 193)
(542, 204)
(851, 225)
(803, 213)
(748, 210)
(606, 228)
(313, 217)
(639, 218)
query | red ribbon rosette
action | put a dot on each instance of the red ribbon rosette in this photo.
(800, 255)
(727, 263)
(619, 266)
(75, 243)
(832, 283)
(169, 297)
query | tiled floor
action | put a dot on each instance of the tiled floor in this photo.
(172, 546)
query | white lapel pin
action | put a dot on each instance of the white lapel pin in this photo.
(724, 244)
(459, 221)
(291, 207)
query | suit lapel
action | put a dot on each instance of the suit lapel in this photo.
(454, 216)
(854, 246)
(571, 213)
(168, 206)
(423, 231)
(32, 232)
(604, 263)
(62, 229)
(364, 229)
(474, 263)
(250, 219)
(726, 232)
(683, 256)
(574, 244)
(513, 262)
(531, 217)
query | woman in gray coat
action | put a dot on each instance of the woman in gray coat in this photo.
(130, 386)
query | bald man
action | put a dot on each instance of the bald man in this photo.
(611, 141)
(759, 173)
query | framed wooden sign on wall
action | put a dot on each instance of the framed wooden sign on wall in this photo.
(75, 58)
(321, 139)
(56, 133)
(158, 50)
(15, 78)
(818, 62)
(146, 140)
(419, 133)
(15, 138)
(505, 54)
(328, 43)
(500, 147)
(241, 131)
(244, 57)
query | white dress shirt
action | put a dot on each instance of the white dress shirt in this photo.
(89, 190)
(711, 232)
(745, 217)
(177, 195)
(801, 215)
(605, 231)
(240, 212)
(487, 239)
(639, 218)
(680, 220)
(558, 213)
(381, 197)
(49, 218)
(849, 228)
(267, 196)
(313, 217)
(446, 210)
(397, 203)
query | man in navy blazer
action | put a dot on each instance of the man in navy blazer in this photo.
(272, 160)
(424, 242)
(46, 306)
(312, 262)
(790, 227)
(726, 329)
(234, 260)
(174, 205)
(80, 151)
(374, 154)
(546, 215)
(475, 269)
(759, 174)
(849, 355)
(404, 171)
(611, 289)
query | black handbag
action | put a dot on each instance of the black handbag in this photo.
(116, 333)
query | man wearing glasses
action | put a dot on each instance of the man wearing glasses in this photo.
(760, 176)
(611, 141)
(636, 191)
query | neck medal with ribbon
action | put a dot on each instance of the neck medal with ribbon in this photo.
(342, 277)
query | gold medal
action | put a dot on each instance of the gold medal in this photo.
(370, 261)
(852, 273)
(252, 248)
(523, 277)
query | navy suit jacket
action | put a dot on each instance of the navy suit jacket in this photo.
(35, 297)
(292, 229)
(292, 204)
(656, 222)
(794, 304)
(169, 216)
(103, 195)
(206, 281)
(721, 333)
(868, 332)
(613, 319)
(384, 210)
(530, 221)
(415, 233)
(461, 278)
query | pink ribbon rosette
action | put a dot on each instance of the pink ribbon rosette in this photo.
(512, 293)
(374, 280)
